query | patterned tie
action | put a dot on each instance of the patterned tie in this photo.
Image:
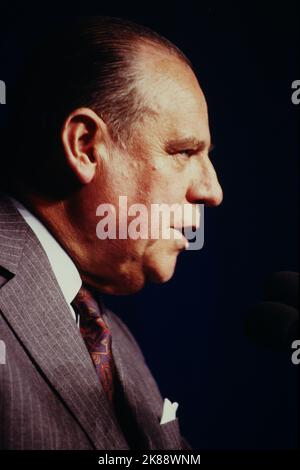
(97, 338)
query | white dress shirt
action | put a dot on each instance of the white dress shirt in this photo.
(64, 269)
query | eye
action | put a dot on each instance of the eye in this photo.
(186, 153)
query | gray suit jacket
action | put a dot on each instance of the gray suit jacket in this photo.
(50, 397)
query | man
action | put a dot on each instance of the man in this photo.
(107, 109)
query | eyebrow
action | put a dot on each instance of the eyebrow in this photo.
(187, 143)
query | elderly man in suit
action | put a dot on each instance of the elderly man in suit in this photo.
(106, 109)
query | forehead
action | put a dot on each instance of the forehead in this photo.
(173, 93)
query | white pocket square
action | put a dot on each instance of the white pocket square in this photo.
(169, 411)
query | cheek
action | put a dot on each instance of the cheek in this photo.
(168, 186)
(145, 181)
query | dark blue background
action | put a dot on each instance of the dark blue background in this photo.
(232, 395)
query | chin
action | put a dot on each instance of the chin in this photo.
(162, 278)
(162, 271)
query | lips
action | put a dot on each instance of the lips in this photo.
(180, 238)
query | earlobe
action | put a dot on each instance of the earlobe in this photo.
(81, 134)
(84, 169)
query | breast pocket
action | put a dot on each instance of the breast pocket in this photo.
(171, 436)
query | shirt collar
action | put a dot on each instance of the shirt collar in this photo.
(64, 269)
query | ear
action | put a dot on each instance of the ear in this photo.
(82, 134)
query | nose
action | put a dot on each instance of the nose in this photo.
(205, 187)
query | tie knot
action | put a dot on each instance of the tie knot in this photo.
(87, 305)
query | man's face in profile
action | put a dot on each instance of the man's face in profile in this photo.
(167, 163)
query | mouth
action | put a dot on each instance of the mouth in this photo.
(178, 236)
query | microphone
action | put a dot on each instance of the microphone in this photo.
(274, 323)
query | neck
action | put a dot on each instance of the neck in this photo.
(54, 215)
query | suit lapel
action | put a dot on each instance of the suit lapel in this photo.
(141, 392)
(35, 308)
